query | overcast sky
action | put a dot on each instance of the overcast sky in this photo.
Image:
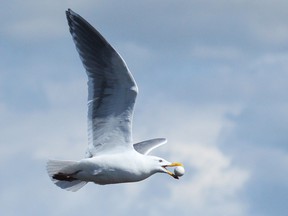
(212, 78)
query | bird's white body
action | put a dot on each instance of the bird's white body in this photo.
(115, 168)
(111, 156)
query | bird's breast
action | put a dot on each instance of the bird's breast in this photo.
(113, 169)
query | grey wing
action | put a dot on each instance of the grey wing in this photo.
(112, 90)
(147, 146)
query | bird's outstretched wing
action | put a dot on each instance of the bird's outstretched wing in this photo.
(111, 89)
(147, 146)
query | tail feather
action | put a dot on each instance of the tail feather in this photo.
(61, 173)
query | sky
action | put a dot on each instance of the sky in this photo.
(212, 78)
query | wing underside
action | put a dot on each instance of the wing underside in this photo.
(111, 89)
(145, 147)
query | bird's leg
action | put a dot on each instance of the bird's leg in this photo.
(65, 177)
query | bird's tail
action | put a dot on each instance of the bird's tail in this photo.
(62, 173)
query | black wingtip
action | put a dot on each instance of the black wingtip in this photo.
(69, 11)
(70, 14)
(71, 18)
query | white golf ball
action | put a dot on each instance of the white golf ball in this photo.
(179, 171)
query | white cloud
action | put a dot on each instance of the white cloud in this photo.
(214, 182)
(211, 179)
(58, 128)
(222, 67)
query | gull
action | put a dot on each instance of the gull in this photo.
(111, 156)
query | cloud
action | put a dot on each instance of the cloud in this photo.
(207, 53)
(59, 132)
(213, 182)
(212, 79)
(265, 158)
(256, 138)
(211, 178)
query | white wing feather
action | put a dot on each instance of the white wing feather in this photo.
(111, 89)
(147, 146)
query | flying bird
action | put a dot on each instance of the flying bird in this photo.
(111, 156)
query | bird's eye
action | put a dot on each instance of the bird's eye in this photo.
(160, 161)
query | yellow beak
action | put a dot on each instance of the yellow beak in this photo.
(172, 165)
(175, 164)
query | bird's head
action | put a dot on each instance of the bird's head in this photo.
(162, 165)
